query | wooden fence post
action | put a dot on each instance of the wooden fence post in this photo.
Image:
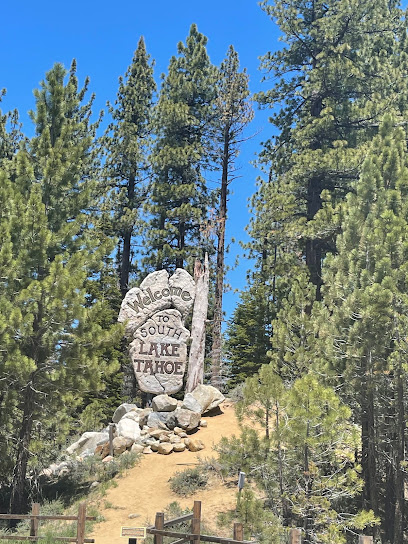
(34, 521)
(365, 539)
(159, 524)
(111, 429)
(81, 523)
(238, 531)
(196, 522)
(295, 536)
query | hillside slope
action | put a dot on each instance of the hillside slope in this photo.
(145, 490)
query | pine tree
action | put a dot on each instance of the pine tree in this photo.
(127, 169)
(343, 66)
(305, 462)
(366, 300)
(57, 345)
(248, 334)
(184, 125)
(234, 112)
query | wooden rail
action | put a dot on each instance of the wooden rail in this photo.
(35, 517)
(159, 530)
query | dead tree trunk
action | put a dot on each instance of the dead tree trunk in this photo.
(195, 373)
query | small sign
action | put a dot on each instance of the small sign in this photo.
(241, 480)
(134, 532)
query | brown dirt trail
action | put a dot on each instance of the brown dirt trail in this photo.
(144, 490)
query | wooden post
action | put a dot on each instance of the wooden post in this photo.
(34, 521)
(111, 429)
(159, 524)
(196, 522)
(195, 369)
(365, 539)
(238, 531)
(81, 523)
(295, 536)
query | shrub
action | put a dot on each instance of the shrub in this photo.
(189, 481)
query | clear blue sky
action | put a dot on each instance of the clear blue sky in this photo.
(102, 37)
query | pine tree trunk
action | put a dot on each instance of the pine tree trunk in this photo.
(216, 354)
(18, 499)
(314, 246)
(368, 453)
(127, 238)
(399, 515)
(195, 373)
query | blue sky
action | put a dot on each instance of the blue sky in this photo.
(102, 37)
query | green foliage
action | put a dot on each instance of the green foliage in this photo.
(127, 144)
(183, 121)
(56, 342)
(189, 481)
(248, 334)
(366, 297)
(306, 462)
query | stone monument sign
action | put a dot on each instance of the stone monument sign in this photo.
(154, 316)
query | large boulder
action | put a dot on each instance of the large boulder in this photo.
(186, 419)
(191, 403)
(133, 415)
(87, 442)
(122, 410)
(128, 429)
(161, 420)
(164, 403)
(207, 396)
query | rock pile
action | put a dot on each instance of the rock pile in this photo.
(163, 428)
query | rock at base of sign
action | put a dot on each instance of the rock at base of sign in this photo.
(121, 444)
(147, 450)
(180, 446)
(164, 403)
(190, 403)
(143, 415)
(161, 420)
(194, 444)
(207, 396)
(122, 410)
(165, 448)
(107, 459)
(128, 429)
(187, 420)
(137, 448)
(88, 441)
(102, 450)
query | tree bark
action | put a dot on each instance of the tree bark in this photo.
(216, 354)
(399, 514)
(127, 238)
(195, 373)
(18, 499)
(368, 453)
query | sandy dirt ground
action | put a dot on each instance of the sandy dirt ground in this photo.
(144, 489)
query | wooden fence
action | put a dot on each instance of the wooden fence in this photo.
(35, 519)
(159, 530)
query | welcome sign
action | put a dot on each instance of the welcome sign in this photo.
(154, 315)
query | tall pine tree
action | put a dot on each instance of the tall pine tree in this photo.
(56, 346)
(127, 169)
(180, 197)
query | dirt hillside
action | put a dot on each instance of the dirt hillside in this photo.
(144, 490)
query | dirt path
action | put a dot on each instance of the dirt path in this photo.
(145, 490)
